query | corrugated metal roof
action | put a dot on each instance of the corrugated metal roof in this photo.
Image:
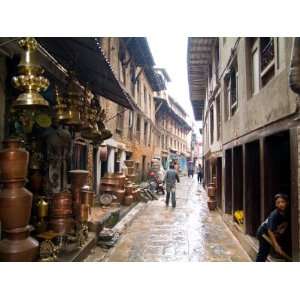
(199, 56)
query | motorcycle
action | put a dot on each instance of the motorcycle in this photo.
(155, 184)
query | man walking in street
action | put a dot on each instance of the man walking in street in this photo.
(200, 173)
(170, 179)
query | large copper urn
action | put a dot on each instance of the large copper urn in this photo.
(61, 220)
(79, 179)
(15, 205)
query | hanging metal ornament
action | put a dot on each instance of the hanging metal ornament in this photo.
(61, 114)
(74, 103)
(29, 79)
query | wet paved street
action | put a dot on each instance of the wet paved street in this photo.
(187, 233)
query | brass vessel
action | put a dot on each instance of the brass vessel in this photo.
(13, 160)
(42, 206)
(29, 79)
(61, 114)
(74, 103)
(61, 213)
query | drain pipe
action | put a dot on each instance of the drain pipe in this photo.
(294, 74)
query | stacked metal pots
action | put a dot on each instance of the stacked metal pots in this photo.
(61, 218)
(114, 183)
(15, 204)
(130, 187)
(83, 196)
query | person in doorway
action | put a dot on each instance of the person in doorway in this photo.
(200, 173)
(272, 228)
(170, 179)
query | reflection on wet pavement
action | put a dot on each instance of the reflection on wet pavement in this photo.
(187, 233)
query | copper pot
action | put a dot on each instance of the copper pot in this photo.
(62, 225)
(87, 196)
(129, 163)
(109, 182)
(13, 160)
(15, 205)
(129, 189)
(18, 246)
(108, 189)
(79, 178)
(109, 176)
(211, 190)
(128, 200)
(120, 194)
(84, 212)
(61, 205)
(120, 178)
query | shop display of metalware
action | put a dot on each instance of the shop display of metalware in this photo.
(79, 179)
(42, 206)
(84, 213)
(13, 160)
(30, 79)
(87, 196)
(18, 246)
(62, 225)
(74, 104)
(120, 178)
(129, 163)
(120, 194)
(130, 187)
(128, 200)
(61, 114)
(15, 205)
(61, 205)
(61, 220)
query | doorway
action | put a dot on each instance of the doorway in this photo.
(277, 164)
(143, 167)
(238, 178)
(219, 182)
(252, 188)
(228, 181)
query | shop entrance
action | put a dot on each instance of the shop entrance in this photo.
(277, 175)
(238, 178)
(252, 188)
(228, 181)
(219, 182)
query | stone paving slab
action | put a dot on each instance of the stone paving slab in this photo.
(190, 232)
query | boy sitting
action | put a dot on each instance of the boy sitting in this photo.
(273, 227)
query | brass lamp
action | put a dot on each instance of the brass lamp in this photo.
(86, 110)
(60, 107)
(74, 103)
(30, 80)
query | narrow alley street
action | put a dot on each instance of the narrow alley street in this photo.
(187, 233)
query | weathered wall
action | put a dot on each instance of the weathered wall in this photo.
(2, 95)
(273, 102)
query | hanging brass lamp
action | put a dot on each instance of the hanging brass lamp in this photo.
(86, 111)
(29, 79)
(74, 104)
(61, 114)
